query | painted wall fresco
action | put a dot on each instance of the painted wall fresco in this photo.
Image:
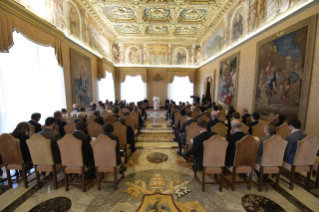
(243, 18)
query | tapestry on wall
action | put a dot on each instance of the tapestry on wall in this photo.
(81, 78)
(284, 66)
(227, 82)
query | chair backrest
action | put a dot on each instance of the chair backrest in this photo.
(90, 119)
(221, 117)
(125, 110)
(10, 149)
(274, 150)
(120, 131)
(222, 112)
(177, 117)
(306, 152)
(32, 129)
(56, 129)
(191, 132)
(283, 130)
(244, 128)
(258, 130)
(104, 114)
(204, 117)
(246, 151)
(129, 120)
(136, 118)
(73, 117)
(95, 129)
(220, 129)
(183, 119)
(120, 113)
(42, 127)
(140, 111)
(70, 127)
(104, 151)
(40, 150)
(89, 113)
(195, 114)
(208, 112)
(214, 151)
(71, 151)
(110, 118)
(248, 120)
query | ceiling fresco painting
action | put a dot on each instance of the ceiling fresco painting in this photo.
(160, 32)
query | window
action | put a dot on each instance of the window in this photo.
(133, 89)
(30, 81)
(180, 90)
(106, 88)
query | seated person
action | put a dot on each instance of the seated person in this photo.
(22, 132)
(293, 138)
(75, 109)
(254, 121)
(115, 112)
(245, 115)
(278, 120)
(178, 127)
(214, 121)
(83, 110)
(232, 139)
(201, 111)
(99, 120)
(65, 115)
(81, 117)
(96, 113)
(48, 133)
(60, 122)
(87, 151)
(182, 138)
(130, 137)
(230, 112)
(93, 106)
(173, 113)
(197, 147)
(236, 115)
(35, 118)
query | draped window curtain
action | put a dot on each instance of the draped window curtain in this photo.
(181, 89)
(31, 80)
(133, 89)
(106, 88)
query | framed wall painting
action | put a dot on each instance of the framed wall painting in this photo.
(283, 71)
(228, 80)
(81, 78)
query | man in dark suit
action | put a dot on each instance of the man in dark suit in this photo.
(80, 117)
(35, 118)
(201, 110)
(254, 121)
(278, 120)
(245, 115)
(293, 138)
(48, 133)
(60, 123)
(214, 120)
(197, 148)
(232, 139)
(173, 113)
(178, 127)
(75, 109)
(129, 134)
(87, 151)
(182, 138)
(115, 112)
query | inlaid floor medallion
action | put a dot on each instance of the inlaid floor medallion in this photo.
(157, 157)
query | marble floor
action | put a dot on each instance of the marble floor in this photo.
(157, 180)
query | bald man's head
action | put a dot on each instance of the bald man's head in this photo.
(236, 124)
(75, 106)
(214, 114)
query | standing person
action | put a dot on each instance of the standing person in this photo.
(156, 100)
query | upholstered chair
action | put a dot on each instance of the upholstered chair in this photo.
(120, 113)
(125, 110)
(305, 156)
(283, 130)
(42, 158)
(105, 160)
(129, 120)
(183, 119)
(70, 127)
(271, 162)
(191, 132)
(221, 117)
(136, 118)
(72, 160)
(2, 179)
(248, 120)
(72, 118)
(95, 129)
(104, 114)
(32, 129)
(110, 118)
(213, 160)
(187, 110)
(12, 158)
(220, 129)
(195, 114)
(245, 157)
(208, 112)
(120, 131)
(244, 128)
(316, 167)
(258, 130)
(176, 118)
(222, 112)
(89, 113)
(90, 119)
(205, 118)
(56, 129)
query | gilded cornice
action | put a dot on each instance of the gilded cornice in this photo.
(19, 11)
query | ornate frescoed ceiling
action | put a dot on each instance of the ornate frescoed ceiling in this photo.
(182, 21)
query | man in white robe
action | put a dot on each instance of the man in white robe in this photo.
(156, 101)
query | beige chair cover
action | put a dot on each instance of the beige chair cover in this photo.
(70, 127)
(283, 130)
(90, 119)
(95, 129)
(258, 130)
(191, 132)
(220, 129)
